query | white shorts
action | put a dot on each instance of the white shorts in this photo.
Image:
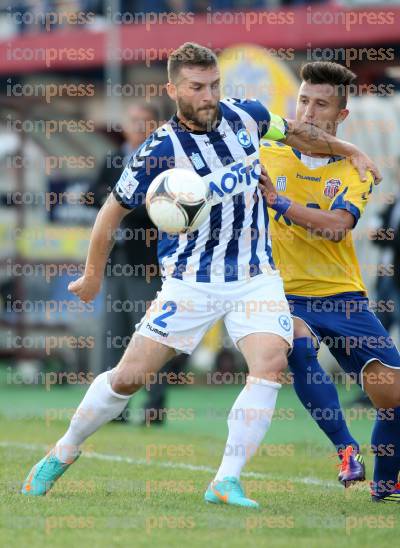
(182, 312)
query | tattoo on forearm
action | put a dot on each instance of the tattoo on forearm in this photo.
(314, 134)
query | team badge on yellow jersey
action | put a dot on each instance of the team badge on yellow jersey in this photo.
(332, 187)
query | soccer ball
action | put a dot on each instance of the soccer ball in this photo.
(178, 201)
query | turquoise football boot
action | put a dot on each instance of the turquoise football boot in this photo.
(228, 491)
(44, 474)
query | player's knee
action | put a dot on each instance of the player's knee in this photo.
(302, 352)
(382, 384)
(395, 401)
(267, 363)
(381, 398)
(300, 329)
(390, 401)
(127, 379)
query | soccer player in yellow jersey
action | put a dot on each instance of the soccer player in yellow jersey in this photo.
(315, 202)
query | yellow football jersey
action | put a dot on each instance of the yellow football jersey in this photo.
(309, 264)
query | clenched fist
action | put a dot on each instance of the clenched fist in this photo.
(85, 287)
(267, 188)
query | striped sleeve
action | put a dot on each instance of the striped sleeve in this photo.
(152, 158)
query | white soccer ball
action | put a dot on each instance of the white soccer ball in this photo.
(178, 201)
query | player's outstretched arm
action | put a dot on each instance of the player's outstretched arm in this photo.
(101, 242)
(330, 225)
(310, 139)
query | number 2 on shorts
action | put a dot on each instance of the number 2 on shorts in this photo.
(159, 320)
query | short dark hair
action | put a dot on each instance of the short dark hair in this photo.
(190, 54)
(326, 72)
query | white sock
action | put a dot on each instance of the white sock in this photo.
(248, 422)
(99, 405)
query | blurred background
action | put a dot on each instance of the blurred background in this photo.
(82, 84)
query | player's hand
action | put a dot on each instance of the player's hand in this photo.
(85, 287)
(267, 188)
(363, 164)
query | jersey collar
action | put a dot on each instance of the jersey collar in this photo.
(331, 159)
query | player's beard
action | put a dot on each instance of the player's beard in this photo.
(204, 118)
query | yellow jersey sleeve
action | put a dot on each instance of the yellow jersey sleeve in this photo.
(354, 196)
(309, 264)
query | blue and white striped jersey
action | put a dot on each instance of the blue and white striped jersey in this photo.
(233, 243)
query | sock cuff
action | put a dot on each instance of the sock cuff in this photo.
(116, 395)
(112, 392)
(263, 382)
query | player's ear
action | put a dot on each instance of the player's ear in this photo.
(171, 90)
(344, 112)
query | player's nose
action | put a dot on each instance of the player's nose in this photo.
(309, 114)
(208, 96)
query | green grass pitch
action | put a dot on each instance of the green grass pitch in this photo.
(141, 487)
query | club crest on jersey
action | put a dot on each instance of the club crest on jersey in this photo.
(243, 136)
(284, 322)
(197, 160)
(127, 184)
(332, 187)
(281, 183)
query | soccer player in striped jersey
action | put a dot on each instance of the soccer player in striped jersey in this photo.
(317, 201)
(226, 262)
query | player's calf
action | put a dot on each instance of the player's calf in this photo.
(250, 416)
(103, 402)
(382, 385)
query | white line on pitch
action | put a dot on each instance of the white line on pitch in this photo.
(177, 465)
